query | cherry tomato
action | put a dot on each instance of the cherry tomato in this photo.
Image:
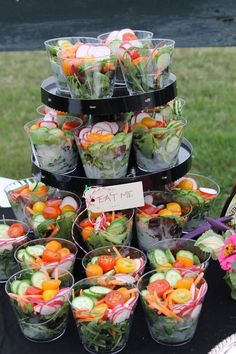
(70, 125)
(41, 190)
(16, 230)
(54, 202)
(85, 223)
(178, 264)
(53, 246)
(149, 209)
(114, 298)
(159, 287)
(106, 262)
(50, 256)
(129, 36)
(160, 124)
(86, 232)
(38, 207)
(126, 265)
(134, 53)
(33, 290)
(51, 212)
(180, 296)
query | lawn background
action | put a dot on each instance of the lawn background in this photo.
(206, 79)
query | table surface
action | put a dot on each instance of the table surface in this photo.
(217, 321)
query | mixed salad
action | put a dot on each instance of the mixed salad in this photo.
(146, 64)
(89, 69)
(103, 309)
(106, 229)
(162, 217)
(104, 149)
(21, 192)
(172, 301)
(53, 143)
(201, 191)
(40, 301)
(156, 141)
(13, 233)
(57, 253)
(55, 216)
(123, 262)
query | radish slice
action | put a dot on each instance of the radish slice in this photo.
(124, 31)
(69, 201)
(130, 303)
(46, 310)
(121, 315)
(48, 124)
(50, 116)
(139, 264)
(112, 36)
(140, 117)
(159, 117)
(114, 127)
(196, 311)
(133, 120)
(209, 191)
(99, 51)
(126, 278)
(82, 51)
(83, 132)
(148, 199)
(64, 292)
(102, 126)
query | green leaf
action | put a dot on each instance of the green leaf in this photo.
(232, 277)
(210, 242)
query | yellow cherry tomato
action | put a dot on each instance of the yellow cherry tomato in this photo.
(181, 296)
(165, 212)
(175, 208)
(68, 208)
(125, 265)
(49, 294)
(53, 246)
(38, 207)
(51, 284)
(86, 232)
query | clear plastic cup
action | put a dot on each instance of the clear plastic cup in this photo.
(151, 229)
(172, 324)
(157, 147)
(8, 245)
(53, 145)
(126, 252)
(104, 332)
(26, 256)
(41, 321)
(146, 64)
(52, 47)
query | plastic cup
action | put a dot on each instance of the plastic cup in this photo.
(157, 148)
(8, 265)
(118, 236)
(25, 261)
(200, 258)
(169, 330)
(41, 321)
(43, 227)
(18, 196)
(53, 147)
(104, 156)
(52, 47)
(152, 229)
(146, 64)
(110, 333)
(124, 251)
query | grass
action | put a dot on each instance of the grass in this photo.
(206, 79)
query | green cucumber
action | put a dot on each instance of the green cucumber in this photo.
(14, 286)
(160, 257)
(38, 278)
(94, 260)
(20, 255)
(169, 255)
(156, 276)
(172, 276)
(196, 260)
(27, 258)
(172, 144)
(22, 287)
(36, 250)
(83, 303)
(4, 227)
(99, 290)
(185, 254)
(33, 186)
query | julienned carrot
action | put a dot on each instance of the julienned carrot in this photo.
(54, 232)
(167, 292)
(199, 277)
(56, 274)
(116, 251)
(81, 292)
(126, 127)
(113, 215)
(100, 301)
(30, 210)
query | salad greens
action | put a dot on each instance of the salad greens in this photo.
(8, 266)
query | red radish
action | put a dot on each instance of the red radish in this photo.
(126, 278)
(46, 310)
(139, 264)
(82, 51)
(102, 126)
(140, 117)
(133, 120)
(50, 116)
(99, 51)
(53, 202)
(121, 315)
(124, 31)
(48, 124)
(159, 117)
(130, 303)
(112, 36)
(69, 201)
(148, 199)
(208, 191)
(114, 127)
(83, 132)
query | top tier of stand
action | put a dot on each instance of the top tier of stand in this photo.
(121, 102)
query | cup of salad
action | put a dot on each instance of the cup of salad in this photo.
(201, 191)
(146, 64)
(26, 190)
(56, 253)
(40, 302)
(53, 46)
(157, 142)
(104, 229)
(123, 262)
(13, 233)
(162, 217)
(54, 217)
(89, 70)
(52, 142)
(172, 302)
(178, 253)
(104, 148)
(103, 309)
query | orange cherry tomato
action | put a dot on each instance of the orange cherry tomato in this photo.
(159, 287)
(148, 122)
(129, 37)
(53, 246)
(124, 292)
(51, 284)
(54, 202)
(186, 261)
(50, 256)
(93, 270)
(178, 264)
(16, 230)
(114, 298)
(85, 223)
(106, 262)
(86, 232)
(184, 283)
(64, 252)
(41, 190)
(51, 212)
(67, 208)
(70, 125)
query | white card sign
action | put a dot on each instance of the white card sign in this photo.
(117, 197)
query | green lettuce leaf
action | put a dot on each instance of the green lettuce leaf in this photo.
(210, 242)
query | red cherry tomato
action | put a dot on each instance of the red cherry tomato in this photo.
(50, 256)
(134, 54)
(33, 290)
(114, 298)
(149, 209)
(84, 223)
(159, 287)
(106, 262)
(178, 264)
(51, 212)
(54, 202)
(70, 125)
(129, 37)
(16, 230)
(160, 124)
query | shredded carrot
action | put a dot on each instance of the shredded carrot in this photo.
(131, 291)
(81, 292)
(100, 301)
(126, 127)
(167, 292)
(199, 277)
(45, 272)
(112, 215)
(54, 232)
(30, 210)
(167, 312)
(116, 251)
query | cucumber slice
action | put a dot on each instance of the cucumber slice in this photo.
(172, 276)
(37, 279)
(163, 61)
(4, 227)
(36, 250)
(20, 255)
(172, 144)
(87, 292)
(160, 257)
(14, 286)
(37, 220)
(144, 292)
(22, 287)
(110, 273)
(62, 42)
(33, 186)
(156, 276)
(196, 260)
(169, 255)
(27, 258)
(94, 260)
(185, 254)
(99, 290)
(83, 303)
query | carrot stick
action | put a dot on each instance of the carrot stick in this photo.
(100, 301)
(126, 127)
(81, 292)
(30, 210)
(112, 215)
(116, 251)
(166, 293)
(199, 277)
(54, 232)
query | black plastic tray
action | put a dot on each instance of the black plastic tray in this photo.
(121, 101)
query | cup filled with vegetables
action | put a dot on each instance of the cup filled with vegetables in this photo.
(25, 190)
(89, 70)
(172, 301)
(178, 253)
(103, 309)
(201, 191)
(125, 263)
(146, 64)
(56, 253)
(40, 301)
(54, 217)
(156, 142)
(13, 233)
(53, 46)
(104, 148)
(52, 142)
(162, 217)
(104, 229)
